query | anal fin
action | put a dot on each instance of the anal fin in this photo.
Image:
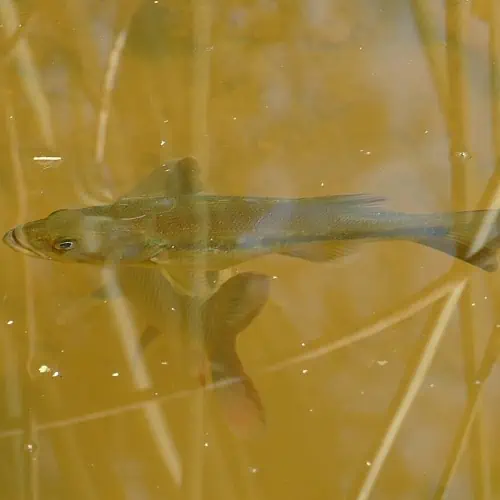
(321, 251)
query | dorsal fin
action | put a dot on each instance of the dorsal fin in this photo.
(177, 177)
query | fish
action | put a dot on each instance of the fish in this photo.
(178, 232)
(226, 305)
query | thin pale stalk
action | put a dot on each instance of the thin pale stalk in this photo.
(107, 93)
(13, 395)
(390, 435)
(30, 431)
(30, 472)
(141, 400)
(433, 52)
(123, 318)
(89, 51)
(416, 303)
(202, 28)
(376, 463)
(462, 435)
(30, 78)
(456, 119)
(493, 195)
(103, 117)
(142, 380)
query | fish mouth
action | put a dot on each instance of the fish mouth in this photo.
(14, 238)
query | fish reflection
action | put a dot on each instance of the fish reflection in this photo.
(223, 315)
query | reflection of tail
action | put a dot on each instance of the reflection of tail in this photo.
(229, 311)
(458, 240)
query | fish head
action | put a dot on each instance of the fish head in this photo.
(80, 235)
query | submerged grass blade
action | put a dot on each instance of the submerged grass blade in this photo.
(29, 468)
(417, 302)
(74, 466)
(124, 320)
(465, 427)
(142, 380)
(426, 358)
(456, 135)
(434, 52)
(200, 84)
(453, 284)
(30, 79)
(491, 196)
(456, 119)
(107, 92)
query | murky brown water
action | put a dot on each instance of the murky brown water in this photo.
(274, 98)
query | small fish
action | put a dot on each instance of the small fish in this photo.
(175, 232)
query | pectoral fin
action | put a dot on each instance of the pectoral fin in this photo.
(322, 251)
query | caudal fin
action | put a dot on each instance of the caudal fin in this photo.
(459, 239)
(229, 311)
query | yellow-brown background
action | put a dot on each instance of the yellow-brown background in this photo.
(283, 97)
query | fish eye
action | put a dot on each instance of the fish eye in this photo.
(64, 245)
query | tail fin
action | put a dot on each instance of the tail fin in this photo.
(457, 242)
(229, 311)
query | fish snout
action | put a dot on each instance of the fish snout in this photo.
(14, 238)
(8, 238)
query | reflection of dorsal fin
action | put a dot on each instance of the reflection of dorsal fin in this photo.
(174, 178)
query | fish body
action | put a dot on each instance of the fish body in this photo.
(224, 231)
